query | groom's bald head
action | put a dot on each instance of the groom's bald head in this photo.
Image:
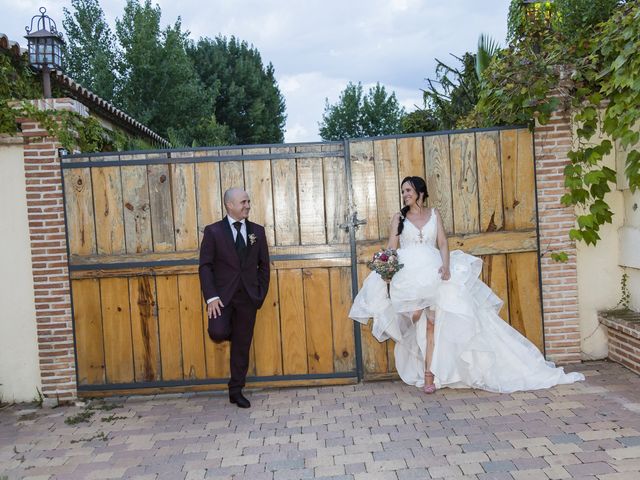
(237, 203)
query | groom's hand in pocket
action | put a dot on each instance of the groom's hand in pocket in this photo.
(214, 308)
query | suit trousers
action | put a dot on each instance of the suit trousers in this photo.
(236, 324)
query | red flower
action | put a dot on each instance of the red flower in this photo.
(384, 257)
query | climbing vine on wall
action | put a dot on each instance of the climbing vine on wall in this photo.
(598, 70)
(19, 85)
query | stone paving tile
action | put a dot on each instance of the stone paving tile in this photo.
(383, 430)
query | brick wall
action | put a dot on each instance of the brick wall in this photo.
(623, 329)
(559, 280)
(45, 209)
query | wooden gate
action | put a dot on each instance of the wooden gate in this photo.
(135, 221)
(483, 184)
(134, 226)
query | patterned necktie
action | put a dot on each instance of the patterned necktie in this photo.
(240, 245)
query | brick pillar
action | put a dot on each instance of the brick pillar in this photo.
(559, 280)
(45, 207)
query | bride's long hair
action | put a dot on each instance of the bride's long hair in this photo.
(420, 186)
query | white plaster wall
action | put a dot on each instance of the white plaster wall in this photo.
(19, 366)
(630, 246)
(599, 276)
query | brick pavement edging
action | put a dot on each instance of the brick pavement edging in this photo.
(623, 330)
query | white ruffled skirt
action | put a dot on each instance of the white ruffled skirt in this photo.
(473, 346)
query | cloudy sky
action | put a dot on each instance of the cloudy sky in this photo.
(317, 46)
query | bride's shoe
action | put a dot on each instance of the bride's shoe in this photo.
(429, 384)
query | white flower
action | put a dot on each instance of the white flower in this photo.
(252, 238)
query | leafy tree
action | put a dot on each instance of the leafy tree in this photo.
(487, 49)
(420, 120)
(357, 115)
(160, 87)
(90, 53)
(448, 99)
(243, 92)
(381, 113)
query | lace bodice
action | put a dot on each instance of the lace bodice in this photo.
(413, 236)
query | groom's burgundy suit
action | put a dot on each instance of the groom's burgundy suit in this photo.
(240, 280)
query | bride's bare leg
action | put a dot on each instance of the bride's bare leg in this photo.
(429, 385)
(415, 316)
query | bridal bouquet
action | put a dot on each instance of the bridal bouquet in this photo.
(385, 263)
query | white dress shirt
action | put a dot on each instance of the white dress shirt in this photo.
(243, 228)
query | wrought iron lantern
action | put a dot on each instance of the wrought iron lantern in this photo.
(45, 47)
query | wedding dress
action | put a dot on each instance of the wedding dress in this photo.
(473, 346)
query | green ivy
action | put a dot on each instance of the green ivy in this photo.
(609, 76)
(17, 81)
(604, 89)
(19, 84)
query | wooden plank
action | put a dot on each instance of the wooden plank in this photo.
(292, 312)
(208, 195)
(161, 209)
(344, 359)
(509, 162)
(438, 168)
(474, 244)
(184, 206)
(192, 269)
(391, 358)
(107, 197)
(285, 202)
(324, 251)
(311, 205)
(524, 296)
(87, 321)
(489, 181)
(79, 209)
(192, 334)
(266, 335)
(116, 325)
(336, 198)
(464, 181)
(518, 179)
(363, 183)
(374, 354)
(144, 329)
(385, 154)
(257, 176)
(525, 210)
(231, 176)
(169, 327)
(137, 218)
(317, 312)
(494, 274)
(410, 157)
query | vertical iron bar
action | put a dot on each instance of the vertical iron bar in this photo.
(354, 260)
(535, 186)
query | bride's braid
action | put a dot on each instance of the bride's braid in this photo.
(420, 186)
(403, 215)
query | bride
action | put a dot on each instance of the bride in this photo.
(443, 318)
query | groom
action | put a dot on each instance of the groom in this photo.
(234, 277)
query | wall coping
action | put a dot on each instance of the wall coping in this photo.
(625, 321)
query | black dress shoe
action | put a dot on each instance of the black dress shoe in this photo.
(240, 400)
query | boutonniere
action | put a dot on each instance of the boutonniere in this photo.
(252, 238)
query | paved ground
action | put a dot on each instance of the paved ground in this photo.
(381, 430)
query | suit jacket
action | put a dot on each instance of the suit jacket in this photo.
(221, 269)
